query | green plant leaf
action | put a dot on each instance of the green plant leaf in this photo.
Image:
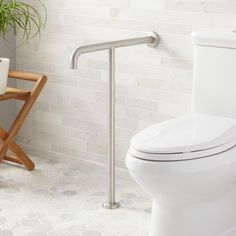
(23, 18)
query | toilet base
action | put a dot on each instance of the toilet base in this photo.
(213, 217)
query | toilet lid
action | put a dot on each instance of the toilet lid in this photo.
(195, 134)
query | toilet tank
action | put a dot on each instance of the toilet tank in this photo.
(214, 72)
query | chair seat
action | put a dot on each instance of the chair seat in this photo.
(15, 93)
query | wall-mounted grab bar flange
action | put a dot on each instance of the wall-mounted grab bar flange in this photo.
(156, 39)
(152, 40)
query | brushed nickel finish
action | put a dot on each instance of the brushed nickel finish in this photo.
(152, 40)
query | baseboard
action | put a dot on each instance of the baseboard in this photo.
(84, 156)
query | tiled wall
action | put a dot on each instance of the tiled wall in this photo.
(152, 84)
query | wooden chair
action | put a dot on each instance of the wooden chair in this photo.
(29, 97)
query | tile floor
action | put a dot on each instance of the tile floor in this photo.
(63, 197)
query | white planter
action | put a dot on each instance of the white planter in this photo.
(4, 68)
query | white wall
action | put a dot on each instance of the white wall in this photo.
(152, 84)
(8, 108)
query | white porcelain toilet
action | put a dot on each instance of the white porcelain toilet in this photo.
(188, 164)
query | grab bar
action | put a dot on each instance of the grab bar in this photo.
(152, 40)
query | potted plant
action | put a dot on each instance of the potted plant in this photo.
(22, 18)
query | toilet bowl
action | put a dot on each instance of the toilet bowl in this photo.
(188, 164)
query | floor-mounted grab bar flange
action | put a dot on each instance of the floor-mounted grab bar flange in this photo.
(111, 206)
(152, 40)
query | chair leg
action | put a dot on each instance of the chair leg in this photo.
(8, 137)
(12, 159)
(21, 157)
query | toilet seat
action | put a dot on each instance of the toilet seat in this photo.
(188, 137)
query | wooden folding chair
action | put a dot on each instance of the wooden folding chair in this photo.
(29, 97)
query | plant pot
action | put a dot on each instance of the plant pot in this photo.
(4, 68)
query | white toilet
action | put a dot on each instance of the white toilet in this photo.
(188, 164)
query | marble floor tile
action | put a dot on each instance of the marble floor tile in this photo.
(64, 198)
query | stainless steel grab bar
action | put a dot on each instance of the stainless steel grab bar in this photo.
(152, 40)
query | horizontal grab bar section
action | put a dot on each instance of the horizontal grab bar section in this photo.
(151, 40)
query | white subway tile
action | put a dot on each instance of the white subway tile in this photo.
(152, 85)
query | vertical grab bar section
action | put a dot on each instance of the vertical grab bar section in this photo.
(152, 40)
